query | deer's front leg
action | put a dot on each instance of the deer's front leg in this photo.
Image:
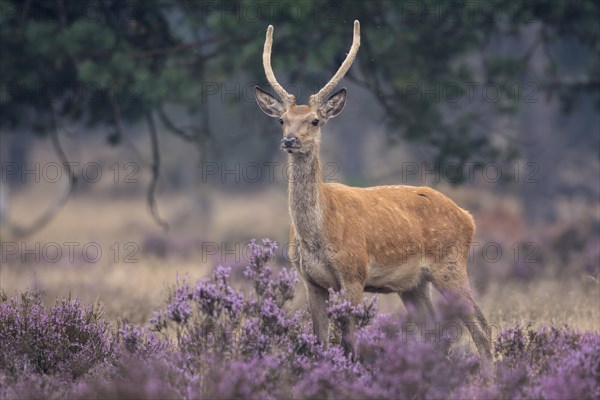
(354, 293)
(317, 298)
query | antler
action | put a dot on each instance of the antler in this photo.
(316, 99)
(287, 98)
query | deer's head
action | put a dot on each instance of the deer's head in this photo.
(302, 124)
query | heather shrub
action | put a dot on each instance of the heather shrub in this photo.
(340, 310)
(69, 338)
(545, 362)
(34, 386)
(139, 341)
(219, 328)
(270, 352)
(211, 320)
(257, 378)
(560, 362)
(211, 340)
(155, 377)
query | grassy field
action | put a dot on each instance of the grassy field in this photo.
(162, 334)
(134, 289)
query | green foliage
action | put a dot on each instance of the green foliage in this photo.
(107, 62)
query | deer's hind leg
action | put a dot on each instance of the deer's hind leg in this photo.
(475, 322)
(418, 301)
(453, 284)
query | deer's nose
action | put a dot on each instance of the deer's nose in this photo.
(289, 141)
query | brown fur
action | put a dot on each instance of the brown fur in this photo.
(382, 239)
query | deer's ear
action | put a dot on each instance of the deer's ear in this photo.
(334, 105)
(269, 104)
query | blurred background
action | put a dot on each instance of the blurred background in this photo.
(133, 153)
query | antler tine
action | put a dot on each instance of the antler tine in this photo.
(316, 99)
(287, 98)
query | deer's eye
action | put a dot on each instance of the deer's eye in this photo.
(280, 121)
(315, 122)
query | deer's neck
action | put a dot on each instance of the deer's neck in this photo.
(306, 197)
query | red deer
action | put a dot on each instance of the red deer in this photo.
(364, 239)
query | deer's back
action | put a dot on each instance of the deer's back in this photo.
(397, 226)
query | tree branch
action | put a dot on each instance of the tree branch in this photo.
(155, 169)
(63, 195)
(174, 129)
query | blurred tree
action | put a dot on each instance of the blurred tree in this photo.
(107, 62)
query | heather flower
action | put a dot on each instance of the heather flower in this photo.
(208, 296)
(305, 344)
(576, 376)
(247, 344)
(341, 310)
(257, 378)
(405, 367)
(271, 314)
(180, 309)
(214, 295)
(559, 362)
(137, 378)
(140, 341)
(285, 285)
(253, 341)
(259, 272)
(69, 337)
(159, 320)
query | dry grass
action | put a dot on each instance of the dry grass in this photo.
(134, 290)
(130, 291)
(574, 302)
